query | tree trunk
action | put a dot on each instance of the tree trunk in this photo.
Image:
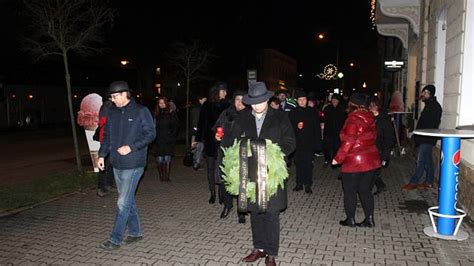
(71, 112)
(187, 111)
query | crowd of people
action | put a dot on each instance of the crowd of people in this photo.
(354, 134)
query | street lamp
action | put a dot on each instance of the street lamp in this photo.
(320, 36)
(351, 64)
(126, 64)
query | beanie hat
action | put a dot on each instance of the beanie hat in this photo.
(358, 99)
(430, 88)
(300, 93)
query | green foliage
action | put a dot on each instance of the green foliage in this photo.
(277, 171)
(26, 194)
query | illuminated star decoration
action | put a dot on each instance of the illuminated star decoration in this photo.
(329, 72)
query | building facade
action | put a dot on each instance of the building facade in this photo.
(277, 70)
(436, 35)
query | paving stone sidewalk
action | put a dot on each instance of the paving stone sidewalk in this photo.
(181, 228)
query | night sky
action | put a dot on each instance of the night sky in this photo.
(144, 30)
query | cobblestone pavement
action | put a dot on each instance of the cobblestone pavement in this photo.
(181, 228)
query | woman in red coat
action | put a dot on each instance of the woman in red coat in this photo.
(360, 159)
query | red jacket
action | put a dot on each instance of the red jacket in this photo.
(358, 152)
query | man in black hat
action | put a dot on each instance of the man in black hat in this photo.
(430, 118)
(128, 131)
(262, 122)
(305, 122)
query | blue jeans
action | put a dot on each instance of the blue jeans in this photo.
(127, 212)
(424, 163)
(163, 159)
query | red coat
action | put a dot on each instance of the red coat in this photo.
(358, 152)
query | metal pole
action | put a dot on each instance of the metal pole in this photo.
(8, 111)
(337, 62)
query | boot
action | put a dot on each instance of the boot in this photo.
(160, 171)
(167, 170)
(348, 222)
(212, 199)
(367, 222)
(221, 193)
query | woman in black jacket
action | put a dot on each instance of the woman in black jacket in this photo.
(208, 116)
(166, 123)
(385, 139)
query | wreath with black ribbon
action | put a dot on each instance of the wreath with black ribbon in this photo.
(267, 177)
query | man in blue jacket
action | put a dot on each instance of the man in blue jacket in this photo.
(128, 131)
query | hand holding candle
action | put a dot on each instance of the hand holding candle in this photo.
(219, 133)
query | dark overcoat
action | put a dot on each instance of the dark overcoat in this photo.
(166, 133)
(277, 128)
(208, 116)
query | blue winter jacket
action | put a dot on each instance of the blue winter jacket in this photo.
(130, 125)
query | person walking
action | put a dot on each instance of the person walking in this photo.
(385, 140)
(106, 177)
(210, 112)
(166, 123)
(360, 160)
(430, 118)
(263, 122)
(305, 122)
(128, 132)
(334, 117)
(198, 148)
(225, 123)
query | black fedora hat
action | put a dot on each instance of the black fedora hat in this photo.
(258, 93)
(118, 86)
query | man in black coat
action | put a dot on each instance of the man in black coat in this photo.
(305, 122)
(263, 122)
(334, 118)
(385, 139)
(430, 118)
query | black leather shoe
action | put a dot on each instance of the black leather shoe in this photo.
(308, 189)
(379, 190)
(348, 222)
(298, 188)
(132, 239)
(367, 222)
(225, 212)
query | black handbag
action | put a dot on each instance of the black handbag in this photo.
(188, 159)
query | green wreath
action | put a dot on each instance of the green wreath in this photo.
(277, 171)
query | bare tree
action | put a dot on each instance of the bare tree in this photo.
(58, 27)
(191, 60)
